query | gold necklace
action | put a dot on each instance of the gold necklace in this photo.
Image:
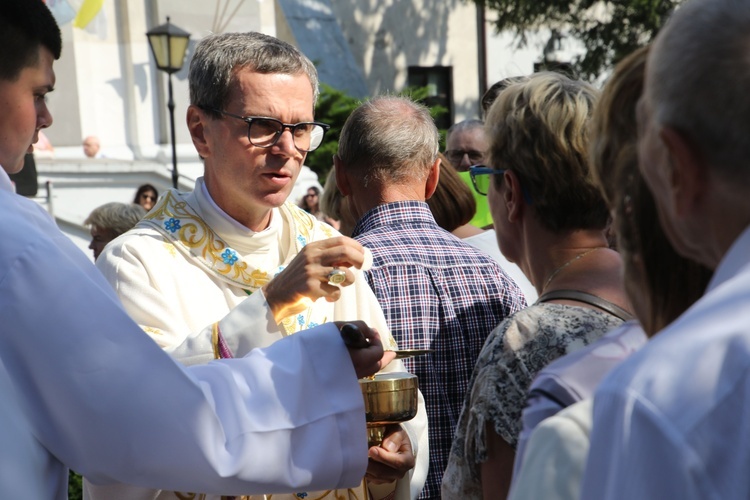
(557, 271)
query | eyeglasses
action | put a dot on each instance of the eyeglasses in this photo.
(480, 177)
(481, 180)
(456, 155)
(264, 132)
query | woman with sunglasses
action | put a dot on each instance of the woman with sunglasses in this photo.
(550, 219)
(146, 196)
(310, 202)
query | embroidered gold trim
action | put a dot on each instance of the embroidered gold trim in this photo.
(191, 233)
(181, 226)
(215, 340)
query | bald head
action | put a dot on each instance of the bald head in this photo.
(91, 146)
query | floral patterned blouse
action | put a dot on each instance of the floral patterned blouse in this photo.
(513, 354)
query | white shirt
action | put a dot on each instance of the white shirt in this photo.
(487, 242)
(672, 420)
(575, 377)
(77, 388)
(555, 457)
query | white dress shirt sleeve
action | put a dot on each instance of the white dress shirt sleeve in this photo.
(105, 399)
(552, 468)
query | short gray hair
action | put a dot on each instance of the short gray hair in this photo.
(389, 139)
(218, 57)
(470, 124)
(117, 217)
(699, 76)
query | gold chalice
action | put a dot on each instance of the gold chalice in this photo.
(390, 398)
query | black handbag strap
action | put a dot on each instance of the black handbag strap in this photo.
(587, 298)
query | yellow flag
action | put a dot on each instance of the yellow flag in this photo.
(88, 11)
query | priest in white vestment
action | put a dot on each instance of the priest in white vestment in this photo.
(230, 266)
(80, 384)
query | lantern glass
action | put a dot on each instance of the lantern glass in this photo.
(169, 45)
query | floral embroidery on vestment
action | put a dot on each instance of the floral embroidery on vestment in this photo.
(186, 231)
(229, 256)
(172, 225)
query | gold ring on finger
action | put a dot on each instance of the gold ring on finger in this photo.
(336, 276)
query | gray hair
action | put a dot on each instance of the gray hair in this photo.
(117, 217)
(389, 139)
(464, 125)
(218, 57)
(698, 76)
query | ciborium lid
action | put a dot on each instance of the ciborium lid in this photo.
(386, 382)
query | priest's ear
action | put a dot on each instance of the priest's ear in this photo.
(197, 123)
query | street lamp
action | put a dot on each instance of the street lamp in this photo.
(169, 45)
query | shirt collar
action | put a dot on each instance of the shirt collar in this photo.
(210, 210)
(395, 213)
(734, 260)
(5, 183)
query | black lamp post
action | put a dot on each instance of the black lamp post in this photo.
(169, 45)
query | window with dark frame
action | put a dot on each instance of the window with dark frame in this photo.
(439, 82)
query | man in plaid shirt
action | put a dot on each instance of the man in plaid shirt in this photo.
(437, 292)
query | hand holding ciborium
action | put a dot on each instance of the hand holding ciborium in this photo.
(390, 398)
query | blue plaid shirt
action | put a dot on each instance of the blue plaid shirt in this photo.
(438, 293)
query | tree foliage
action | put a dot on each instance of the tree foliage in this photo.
(75, 486)
(333, 108)
(608, 29)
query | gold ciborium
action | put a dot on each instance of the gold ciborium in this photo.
(390, 398)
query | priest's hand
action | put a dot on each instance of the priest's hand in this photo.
(365, 347)
(319, 270)
(392, 459)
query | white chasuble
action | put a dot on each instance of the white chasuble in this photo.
(188, 272)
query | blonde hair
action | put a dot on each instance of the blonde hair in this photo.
(538, 128)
